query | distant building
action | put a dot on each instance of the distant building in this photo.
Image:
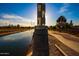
(61, 22)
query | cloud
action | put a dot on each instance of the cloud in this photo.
(11, 17)
(64, 8)
(49, 20)
(15, 19)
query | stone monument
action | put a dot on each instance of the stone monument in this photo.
(40, 44)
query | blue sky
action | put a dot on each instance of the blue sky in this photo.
(25, 14)
(70, 11)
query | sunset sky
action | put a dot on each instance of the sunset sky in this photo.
(25, 14)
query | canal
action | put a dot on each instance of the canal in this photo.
(15, 44)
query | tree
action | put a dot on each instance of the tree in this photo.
(18, 25)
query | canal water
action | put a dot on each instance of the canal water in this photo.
(16, 44)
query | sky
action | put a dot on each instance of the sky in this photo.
(25, 14)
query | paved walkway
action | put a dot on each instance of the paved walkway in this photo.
(67, 40)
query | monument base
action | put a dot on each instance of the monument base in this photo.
(40, 41)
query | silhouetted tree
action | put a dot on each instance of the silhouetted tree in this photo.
(71, 23)
(18, 25)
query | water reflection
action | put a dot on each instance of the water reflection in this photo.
(15, 44)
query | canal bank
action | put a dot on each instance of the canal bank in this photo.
(11, 32)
